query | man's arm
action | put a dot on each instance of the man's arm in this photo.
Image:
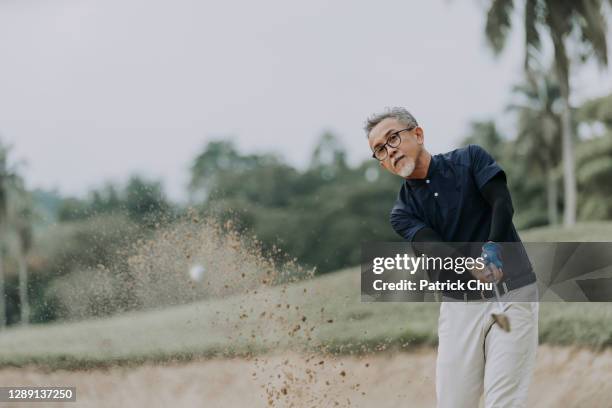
(491, 181)
(496, 193)
(421, 244)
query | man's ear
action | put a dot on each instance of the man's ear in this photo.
(420, 135)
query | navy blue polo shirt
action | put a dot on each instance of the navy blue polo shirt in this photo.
(448, 200)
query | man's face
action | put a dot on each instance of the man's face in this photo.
(400, 160)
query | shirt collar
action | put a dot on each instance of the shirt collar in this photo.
(434, 167)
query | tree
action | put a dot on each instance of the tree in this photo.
(594, 161)
(8, 179)
(539, 132)
(594, 164)
(105, 200)
(597, 110)
(21, 214)
(145, 201)
(4, 176)
(15, 216)
(24, 217)
(585, 23)
(25, 245)
(218, 157)
(328, 157)
(486, 135)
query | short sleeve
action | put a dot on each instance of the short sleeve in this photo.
(405, 221)
(483, 166)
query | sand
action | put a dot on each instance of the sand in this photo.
(564, 377)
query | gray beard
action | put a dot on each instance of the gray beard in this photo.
(407, 169)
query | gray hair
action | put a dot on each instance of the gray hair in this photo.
(398, 113)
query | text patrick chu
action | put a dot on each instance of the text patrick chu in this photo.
(411, 264)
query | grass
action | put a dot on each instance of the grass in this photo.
(322, 315)
(600, 231)
(228, 327)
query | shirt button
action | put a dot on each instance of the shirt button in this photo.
(436, 194)
(427, 181)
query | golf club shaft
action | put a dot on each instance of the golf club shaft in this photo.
(497, 295)
(498, 298)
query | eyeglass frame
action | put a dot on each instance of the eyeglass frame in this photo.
(397, 133)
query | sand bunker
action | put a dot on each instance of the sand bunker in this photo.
(565, 377)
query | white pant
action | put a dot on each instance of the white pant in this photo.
(474, 354)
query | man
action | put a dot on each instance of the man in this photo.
(462, 196)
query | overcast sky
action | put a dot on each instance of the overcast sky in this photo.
(97, 90)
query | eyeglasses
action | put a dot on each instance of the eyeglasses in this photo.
(394, 140)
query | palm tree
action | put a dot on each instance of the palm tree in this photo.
(594, 160)
(9, 184)
(4, 175)
(23, 226)
(584, 20)
(539, 131)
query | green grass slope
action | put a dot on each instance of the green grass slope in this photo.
(321, 315)
(600, 231)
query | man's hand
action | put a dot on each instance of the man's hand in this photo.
(490, 273)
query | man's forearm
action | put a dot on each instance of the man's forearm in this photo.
(422, 245)
(496, 193)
